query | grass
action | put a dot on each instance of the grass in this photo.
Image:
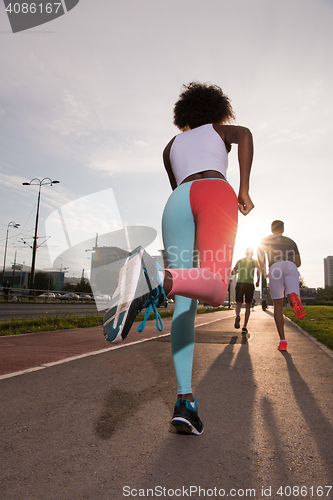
(50, 323)
(318, 322)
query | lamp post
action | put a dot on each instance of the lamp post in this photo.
(40, 183)
(10, 224)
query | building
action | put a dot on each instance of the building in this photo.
(106, 263)
(105, 267)
(328, 270)
(18, 276)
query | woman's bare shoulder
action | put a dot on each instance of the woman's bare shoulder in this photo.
(231, 133)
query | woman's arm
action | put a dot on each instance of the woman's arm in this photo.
(234, 134)
(167, 165)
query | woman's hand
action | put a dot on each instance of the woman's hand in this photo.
(245, 204)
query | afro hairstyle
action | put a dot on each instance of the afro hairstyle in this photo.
(202, 103)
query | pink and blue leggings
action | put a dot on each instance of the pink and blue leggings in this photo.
(199, 217)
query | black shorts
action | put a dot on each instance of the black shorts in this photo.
(246, 289)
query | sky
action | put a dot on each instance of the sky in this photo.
(87, 99)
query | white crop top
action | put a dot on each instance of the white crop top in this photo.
(198, 150)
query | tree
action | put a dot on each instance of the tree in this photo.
(43, 281)
(325, 293)
(302, 283)
(69, 287)
(83, 286)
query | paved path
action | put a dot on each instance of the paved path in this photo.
(97, 427)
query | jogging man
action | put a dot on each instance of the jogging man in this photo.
(283, 260)
(245, 286)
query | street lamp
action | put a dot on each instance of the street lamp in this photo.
(40, 183)
(10, 224)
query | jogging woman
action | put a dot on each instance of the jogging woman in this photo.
(200, 218)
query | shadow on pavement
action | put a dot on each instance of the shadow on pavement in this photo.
(222, 456)
(319, 426)
(121, 404)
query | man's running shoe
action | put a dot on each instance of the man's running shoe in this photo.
(237, 321)
(282, 345)
(244, 330)
(297, 305)
(185, 418)
(139, 287)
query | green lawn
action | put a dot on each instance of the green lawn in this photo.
(318, 322)
(50, 323)
(47, 324)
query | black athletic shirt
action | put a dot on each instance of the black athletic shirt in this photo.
(278, 248)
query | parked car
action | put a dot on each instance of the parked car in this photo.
(85, 297)
(70, 296)
(47, 295)
(104, 299)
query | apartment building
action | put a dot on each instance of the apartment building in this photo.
(328, 270)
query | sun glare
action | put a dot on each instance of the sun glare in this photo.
(248, 235)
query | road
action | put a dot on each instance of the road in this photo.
(25, 310)
(95, 425)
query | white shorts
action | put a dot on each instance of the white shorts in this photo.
(283, 275)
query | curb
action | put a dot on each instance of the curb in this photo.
(321, 346)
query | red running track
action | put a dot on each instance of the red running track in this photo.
(22, 352)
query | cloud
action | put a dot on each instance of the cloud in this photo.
(71, 117)
(126, 156)
(92, 103)
(8, 181)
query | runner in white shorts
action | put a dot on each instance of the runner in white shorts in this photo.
(283, 279)
(283, 260)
